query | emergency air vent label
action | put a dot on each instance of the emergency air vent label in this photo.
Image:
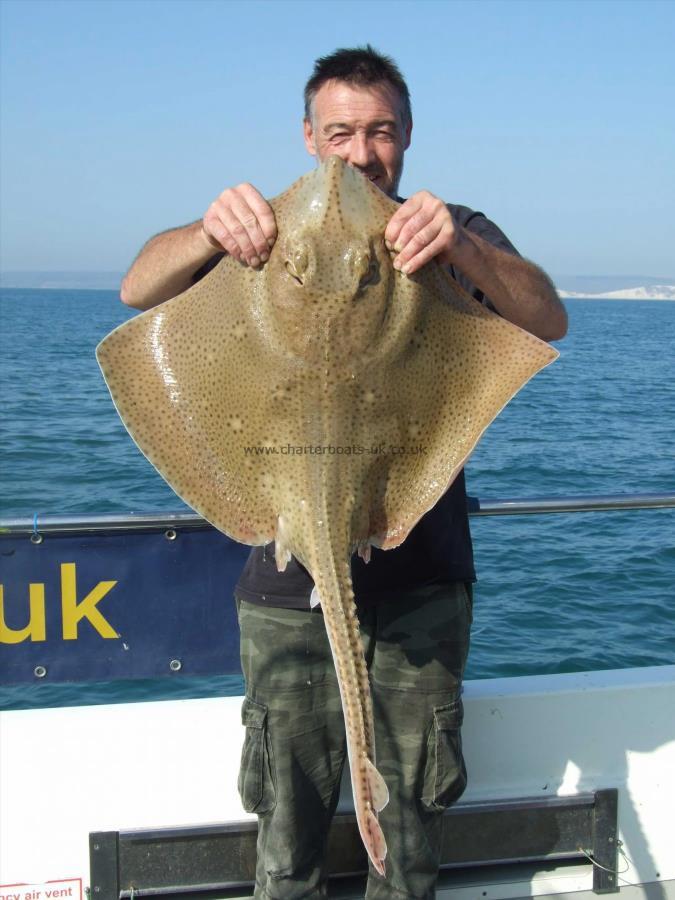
(61, 889)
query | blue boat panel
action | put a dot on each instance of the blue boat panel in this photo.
(118, 605)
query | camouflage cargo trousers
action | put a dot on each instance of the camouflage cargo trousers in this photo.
(294, 750)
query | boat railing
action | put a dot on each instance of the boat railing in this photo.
(108, 597)
(57, 524)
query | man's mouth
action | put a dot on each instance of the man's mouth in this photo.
(375, 177)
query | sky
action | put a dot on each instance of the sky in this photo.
(121, 118)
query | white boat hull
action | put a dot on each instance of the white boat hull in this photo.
(67, 772)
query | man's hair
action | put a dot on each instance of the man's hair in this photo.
(359, 66)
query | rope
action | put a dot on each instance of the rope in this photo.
(36, 537)
(619, 845)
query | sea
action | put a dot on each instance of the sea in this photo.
(556, 593)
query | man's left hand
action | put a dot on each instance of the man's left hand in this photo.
(420, 230)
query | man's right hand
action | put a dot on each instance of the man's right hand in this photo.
(241, 222)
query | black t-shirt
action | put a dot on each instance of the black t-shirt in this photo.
(438, 549)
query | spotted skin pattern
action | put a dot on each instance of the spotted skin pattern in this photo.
(381, 384)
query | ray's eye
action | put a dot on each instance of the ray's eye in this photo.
(370, 275)
(297, 263)
(365, 267)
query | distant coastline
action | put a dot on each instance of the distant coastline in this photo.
(648, 292)
(576, 287)
(62, 281)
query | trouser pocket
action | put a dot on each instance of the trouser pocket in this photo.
(445, 772)
(256, 773)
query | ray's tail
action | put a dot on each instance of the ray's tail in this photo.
(334, 586)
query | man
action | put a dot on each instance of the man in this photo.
(414, 602)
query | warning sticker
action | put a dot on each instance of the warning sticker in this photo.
(62, 889)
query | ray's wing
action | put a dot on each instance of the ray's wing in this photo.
(185, 380)
(462, 366)
(209, 396)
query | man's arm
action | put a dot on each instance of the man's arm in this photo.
(239, 222)
(519, 290)
(423, 229)
(165, 266)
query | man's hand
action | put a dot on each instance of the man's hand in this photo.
(421, 229)
(241, 222)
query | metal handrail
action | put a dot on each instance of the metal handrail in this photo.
(51, 524)
(588, 503)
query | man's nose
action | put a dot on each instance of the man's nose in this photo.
(360, 151)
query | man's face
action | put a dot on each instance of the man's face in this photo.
(362, 125)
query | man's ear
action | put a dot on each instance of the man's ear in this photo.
(308, 133)
(408, 135)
